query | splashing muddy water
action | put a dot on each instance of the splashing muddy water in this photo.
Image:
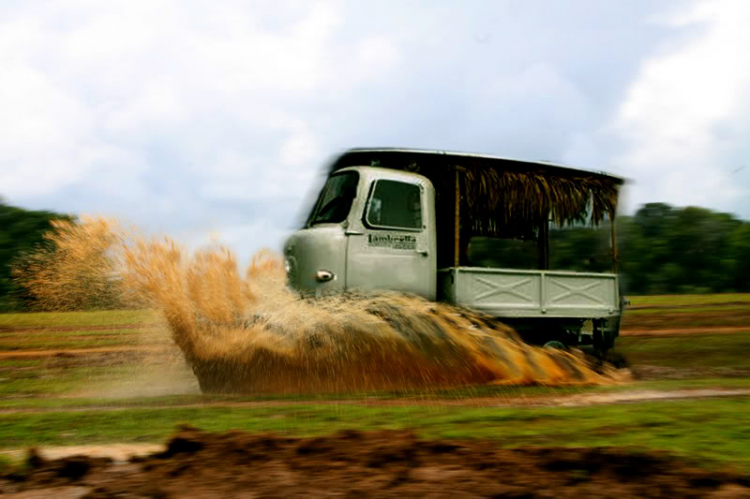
(251, 334)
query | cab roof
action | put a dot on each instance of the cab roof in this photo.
(497, 193)
(400, 158)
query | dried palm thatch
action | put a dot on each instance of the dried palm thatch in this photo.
(500, 195)
(507, 198)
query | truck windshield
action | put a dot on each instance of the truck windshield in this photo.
(336, 199)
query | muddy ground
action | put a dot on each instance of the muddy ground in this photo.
(379, 464)
(373, 464)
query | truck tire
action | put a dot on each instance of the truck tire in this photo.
(556, 345)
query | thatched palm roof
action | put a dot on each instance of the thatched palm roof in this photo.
(500, 194)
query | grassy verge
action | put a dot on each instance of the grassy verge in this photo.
(688, 311)
(715, 432)
(57, 399)
(97, 318)
(693, 309)
(75, 343)
(682, 300)
(47, 333)
(53, 381)
(716, 351)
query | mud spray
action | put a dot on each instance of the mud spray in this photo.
(249, 333)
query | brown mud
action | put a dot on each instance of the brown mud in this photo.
(372, 464)
(376, 342)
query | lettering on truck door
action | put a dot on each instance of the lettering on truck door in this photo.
(392, 250)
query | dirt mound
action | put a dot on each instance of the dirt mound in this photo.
(377, 464)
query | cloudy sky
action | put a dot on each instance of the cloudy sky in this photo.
(199, 117)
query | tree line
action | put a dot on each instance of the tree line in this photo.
(683, 250)
(20, 233)
(661, 250)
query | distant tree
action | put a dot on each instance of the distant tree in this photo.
(20, 232)
(737, 261)
(663, 249)
(684, 250)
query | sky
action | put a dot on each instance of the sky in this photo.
(214, 120)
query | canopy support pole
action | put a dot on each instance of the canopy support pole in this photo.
(543, 243)
(613, 242)
(457, 224)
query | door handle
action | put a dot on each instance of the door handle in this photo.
(423, 252)
(353, 233)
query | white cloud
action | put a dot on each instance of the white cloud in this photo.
(680, 99)
(96, 90)
(244, 239)
(216, 116)
(378, 54)
(48, 136)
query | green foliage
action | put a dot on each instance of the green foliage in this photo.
(20, 232)
(664, 249)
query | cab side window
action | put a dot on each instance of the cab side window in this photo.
(395, 205)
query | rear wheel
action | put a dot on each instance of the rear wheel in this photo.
(546, 332)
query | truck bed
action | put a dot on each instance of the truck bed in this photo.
(531, 293)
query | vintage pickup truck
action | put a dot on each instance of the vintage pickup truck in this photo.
(406, 220)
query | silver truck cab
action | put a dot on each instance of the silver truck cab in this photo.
(372, 228)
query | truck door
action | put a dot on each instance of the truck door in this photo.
(391, 244)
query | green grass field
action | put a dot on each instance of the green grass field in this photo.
(76, 319)
(718, 351)
(133, 387)
(688, 312)
(717, 431)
